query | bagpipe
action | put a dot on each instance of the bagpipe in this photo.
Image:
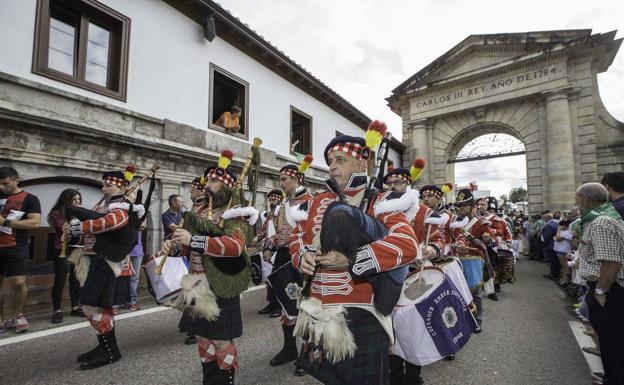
(363, 229)
(116, 245)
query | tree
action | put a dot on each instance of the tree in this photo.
(518, 194)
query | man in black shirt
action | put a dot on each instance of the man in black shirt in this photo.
(614, 182)
(19, 212)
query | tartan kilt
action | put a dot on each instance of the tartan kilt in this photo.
(369, 365)
(229, 325)
(101, 288)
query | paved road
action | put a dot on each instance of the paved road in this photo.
(526, 340)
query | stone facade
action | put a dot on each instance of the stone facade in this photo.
(539, 87)
(49, 133)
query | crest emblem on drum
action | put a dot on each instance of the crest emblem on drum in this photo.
(449, 316)
(293, 291)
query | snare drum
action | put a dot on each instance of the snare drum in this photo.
(279, 281)
(432, 320)
(473, 270)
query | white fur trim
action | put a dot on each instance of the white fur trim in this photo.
(138, 209)
(295, 214)
(248, 212)
(408, 203)
(197, 297)
(459, 224)
(439, 221)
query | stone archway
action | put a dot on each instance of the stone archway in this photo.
(539, 87)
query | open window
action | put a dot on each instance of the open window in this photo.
(300, 132)
(229, 105)
(83, 43)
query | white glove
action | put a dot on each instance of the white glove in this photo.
(75, 227)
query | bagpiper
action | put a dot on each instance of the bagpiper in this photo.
(349, 248)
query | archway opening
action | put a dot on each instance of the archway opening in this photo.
(496, 164)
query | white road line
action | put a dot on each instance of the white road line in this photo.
(80, 325)
(593, 361)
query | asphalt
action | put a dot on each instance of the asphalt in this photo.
(526, 339)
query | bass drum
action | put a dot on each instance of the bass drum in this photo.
(432, 320)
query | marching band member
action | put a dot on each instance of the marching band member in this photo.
(346, 335)
(268, 220)
(291, 212)
(425, 225)
(108, 233)
(471, 240)
(219, 272)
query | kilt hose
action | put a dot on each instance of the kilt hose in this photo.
(228, 326)
(369, 365)
(101, 288)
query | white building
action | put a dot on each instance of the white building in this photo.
(87, 86)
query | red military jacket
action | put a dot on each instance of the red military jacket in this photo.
(291, 212)
(421, 224)
(499, 229)
(471, 234)
(335, 285)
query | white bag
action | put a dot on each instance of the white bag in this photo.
(166, 286)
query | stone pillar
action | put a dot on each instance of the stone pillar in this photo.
(420, 147)
(560, 175)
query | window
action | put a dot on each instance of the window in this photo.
(300, 132)
(83, 43)
(228, 103)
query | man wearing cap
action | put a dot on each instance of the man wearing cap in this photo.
(200, 206)
(291, 213)
(425, 225)
(471, 239)
(268, 220)
(218, 272)
(501, 240)
(106, 237)
(351, 337)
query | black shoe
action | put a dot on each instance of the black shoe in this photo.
(493, 297)
(266, 310)
(107, 354)
(57, 317)
(84, 357)
(276, 312)
(300, 371)
(77, 312)
(497, 287)
(190, 340)
(478, 328)
(510, 280)
(450, 358)
(289, 349)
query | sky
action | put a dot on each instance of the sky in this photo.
(363, 49)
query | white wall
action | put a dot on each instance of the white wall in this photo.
(48, 193)
(169, 73)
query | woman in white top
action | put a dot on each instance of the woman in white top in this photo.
(562, 246)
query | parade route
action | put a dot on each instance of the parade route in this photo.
(526, 339)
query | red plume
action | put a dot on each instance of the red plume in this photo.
(450, 186)
(419, 163)
(131, 168)
(227, 154)
(308, 158)
(390, 168)
(378, 126)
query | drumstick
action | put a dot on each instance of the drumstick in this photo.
(422, 264)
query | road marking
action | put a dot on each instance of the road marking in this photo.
(80, 325)
(593, 361)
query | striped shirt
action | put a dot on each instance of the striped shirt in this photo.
(603, 240)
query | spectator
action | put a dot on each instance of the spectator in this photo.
(614, 182)
(136, 258)
(602, 265)
(230, 120)
(562, 246)
(548, 234)
(56, 219)
(172, 217)
(526, 238)
(19, 212)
